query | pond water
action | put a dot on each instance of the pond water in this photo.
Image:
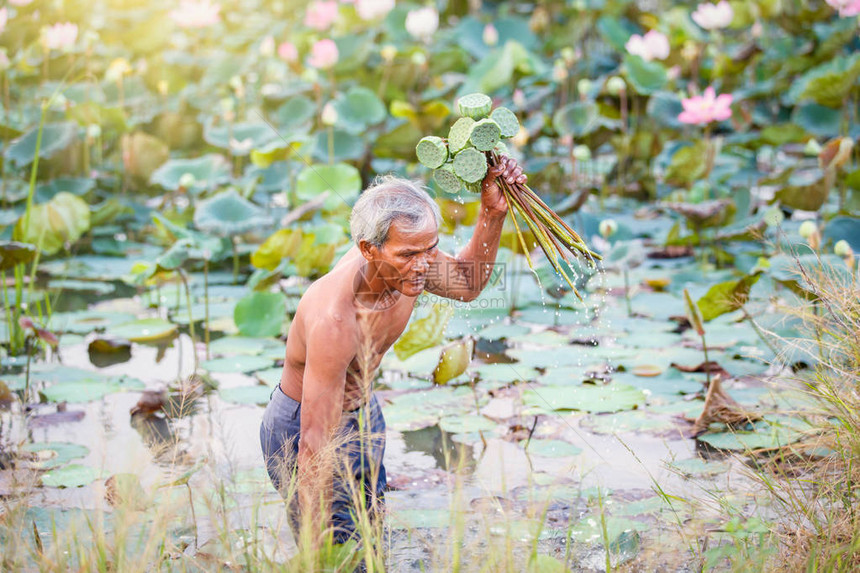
(565, 417)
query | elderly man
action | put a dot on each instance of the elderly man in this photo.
(323, 434)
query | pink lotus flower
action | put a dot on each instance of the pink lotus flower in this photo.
(702, 110)
(196, 14)
(324, 54)
(60, 36)
(288, 52)
(321, 15)
(847, 8)
(713, 16)
(373, 9)
(652, 46)
(422, 23)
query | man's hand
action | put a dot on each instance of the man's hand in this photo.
(492, 198)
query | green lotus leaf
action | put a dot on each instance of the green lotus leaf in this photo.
(698, 467)
(454, 360)
(86, 321)
(764, 435)
(74, 185)
(504, 373)
(665, 108)
(346, 146)
(342, 181)
(818, 120)
(294, 113)
(65, 218)
(261, 314)
(55, 138)
(228, 213)
(247, 395)
(502, 331)
(425, 332)
(688, 164)
(577, 119)
(726, 297)
(14, 253)
(269, 376)
(645, 77)
(209, 172)
(239, 138)
(827, 84)
(462, 424)
(89, 391)
(240, 363)
(596, 399)
(838, 229)
(550, 448)
(74, 475)
(627, 421)
(358, 109)
(243, 345)
(60, 453)
(144, 330)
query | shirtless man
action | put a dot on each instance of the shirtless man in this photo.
(344, 324)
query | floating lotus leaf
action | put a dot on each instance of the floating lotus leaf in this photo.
(258, 395)
(98, 288)
(86, 321)
(502, 331)
(14, 253)
(819, 120)
(346, 146)
(550, 448)
(63, 219)
(239, 138)
(261, 314)
(765, 434)
(596, 399)
(209, 172)
(342, 181)
(425, 332)
(629, 421)
(228, 213)
(466, 423)
(55, 454)
(358, 109)
(240, 363)
(144, 330)
(89, 390)
(271, 377)
(55, 138)
(827, 84)
(505, 373)
(74, 475)
(74, 185)
(698, 467)
(420, 519)
(590, 529)
(243, 345)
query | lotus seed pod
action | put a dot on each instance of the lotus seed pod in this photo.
(807, 229)
(459, 134)
(447, 179)
(187, 180)
(507, 121)
(432, 151)
(581, 153)
(501, 149)
(329, 114)
(485, 134)
(473, 187)
(615, 85)
(476, 106)
(470, 165)
(843, 249)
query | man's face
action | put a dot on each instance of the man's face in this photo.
(405, 257)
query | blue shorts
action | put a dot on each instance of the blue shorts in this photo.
(361, 438)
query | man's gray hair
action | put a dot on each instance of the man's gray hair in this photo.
(388, 199)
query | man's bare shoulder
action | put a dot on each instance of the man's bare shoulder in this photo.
(327, 304)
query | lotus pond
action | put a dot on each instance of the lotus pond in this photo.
(175, 176)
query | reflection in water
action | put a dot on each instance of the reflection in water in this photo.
(448, 454)
(157, 433)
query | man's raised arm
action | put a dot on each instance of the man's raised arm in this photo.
(330, 348)
(464, 276)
